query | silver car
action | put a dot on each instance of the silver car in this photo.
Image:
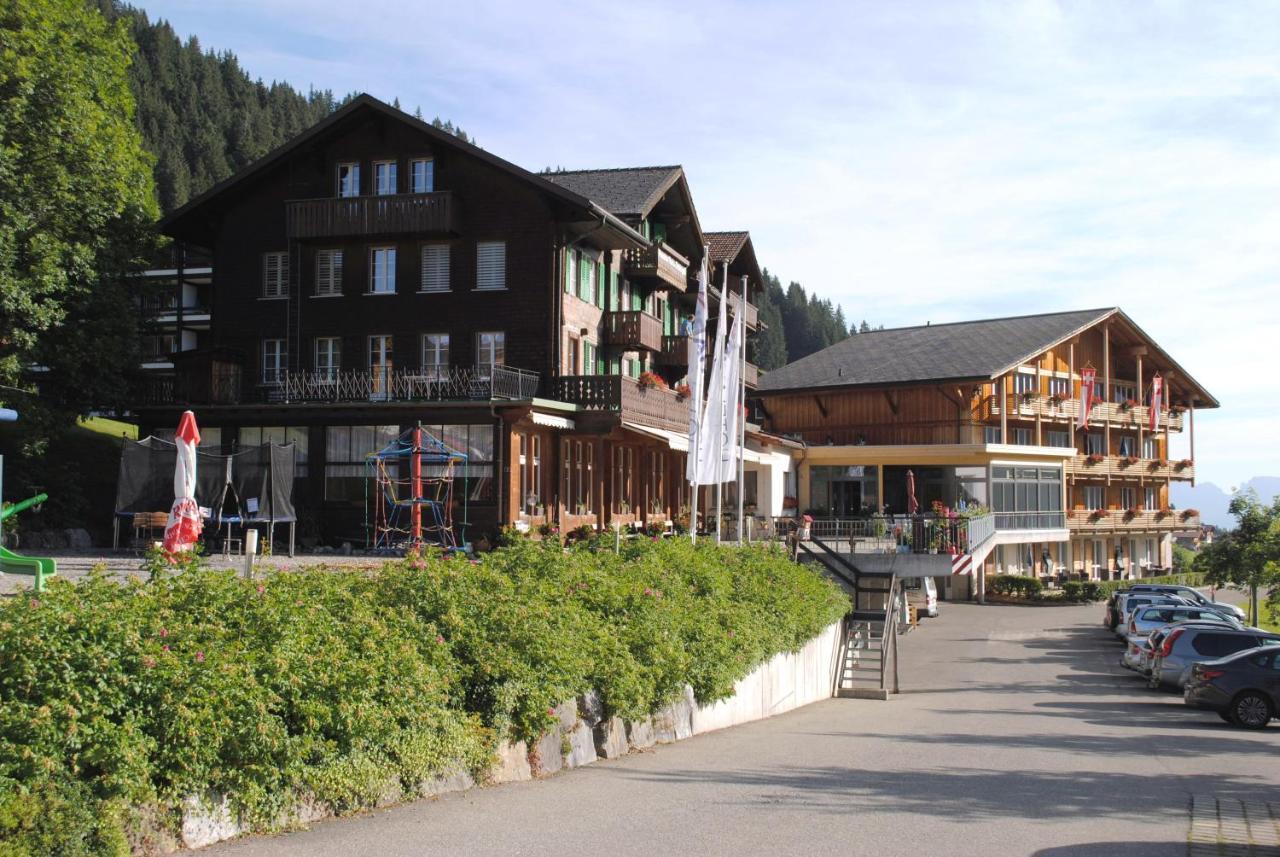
(1146, 619)
(1190, 594)
(1133, 600)
(1183, 647)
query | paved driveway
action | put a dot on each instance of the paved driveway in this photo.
(1018, 734)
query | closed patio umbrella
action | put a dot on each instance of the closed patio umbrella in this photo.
(913, 505)
(184, 525)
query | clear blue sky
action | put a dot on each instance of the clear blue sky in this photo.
(912, 161)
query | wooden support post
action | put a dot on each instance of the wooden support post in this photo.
(1004, 408)
(1039, 393)
(1141, 423)
(1191, 428)
(1106, 388)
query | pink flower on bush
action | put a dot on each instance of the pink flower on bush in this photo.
(165, 647)
(648, 591)
(261, 589)
(440, 639)
(731, 634)
(551, 712)
(35, 602)
(148, 662)
(164, 632)
(199, 657)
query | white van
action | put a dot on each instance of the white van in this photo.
(923, 593)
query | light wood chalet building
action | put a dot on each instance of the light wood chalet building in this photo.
(984, 412)
(375, 273)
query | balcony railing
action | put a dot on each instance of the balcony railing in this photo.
(751, 314)
(902, 533)
(1126, 521)
(657, 262)
(633, 329)
(371, 215)
(304, 386)
(1065, 411)
(675, 351)
(1030, 520)
(751, 377)
(624, 396)
(1123, 467)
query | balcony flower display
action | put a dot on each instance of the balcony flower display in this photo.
(1058, 398)
(1130, 460)
(1177, 409)
(682, 391)
(1094, 458)
(1184, 464)
(1128, 404)
(650, 380)
(1098, 514)
(1157, 463)
(1163, 513)
(1131, 513)
(1027, 397)
(1188, 514)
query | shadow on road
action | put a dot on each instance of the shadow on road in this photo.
(1115, 849)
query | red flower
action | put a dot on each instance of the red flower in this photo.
(199, 657)
(439, 639)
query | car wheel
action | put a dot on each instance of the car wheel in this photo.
(1251, 710)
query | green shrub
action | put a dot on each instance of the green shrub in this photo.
(344, 684)
(1016, 586)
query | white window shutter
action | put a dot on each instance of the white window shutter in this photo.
(435, 268)
(491, 265)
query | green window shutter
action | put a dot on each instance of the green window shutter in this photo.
(636, 301)
(644, 228)
(658, 232)
(599, 295)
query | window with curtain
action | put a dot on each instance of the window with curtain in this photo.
(349, 179)
(1026, 497)
(577, 473)
(1093, 497)
(491, 346)
(529, 461)
(474, 481)
(1128, 445)
(1095, 443)
(345, 451)
(328, 357)
(299, 436)
(384, 178)
(275, 360)
(382, 270)
(1024, 382)
(435, 355)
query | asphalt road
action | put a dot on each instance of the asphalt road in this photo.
(1018, 734)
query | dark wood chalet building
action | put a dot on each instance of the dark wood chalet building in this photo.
(376, 273)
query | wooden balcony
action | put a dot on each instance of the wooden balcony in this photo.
(633, 329)
(334, 217)
(1064, 412)
(658, 263)
(675, 351)
(752, 375)
(1115, 467)
(1123, 521)
(624, 396)
(751, 313)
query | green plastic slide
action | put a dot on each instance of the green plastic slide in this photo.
(38, 567)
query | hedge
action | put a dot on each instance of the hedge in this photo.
(330, 684)
(1100, 590)
(1016, 585)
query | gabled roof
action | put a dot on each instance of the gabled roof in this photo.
(626, 191)
(725, 246)
(187, 216)
(969, 351)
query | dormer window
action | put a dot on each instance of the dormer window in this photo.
(422, 175)
(384, 177)
(349, 179)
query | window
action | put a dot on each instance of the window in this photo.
(1123, 392)
(1026, 497)
(435, 268)
(435, 355)
(1099, 555)
(1024, 382)
(345, 451)
(328, 357)
(991, 434)
(422, 175)
(529, 460)
(575, 352)
(587, 280)
(328, 272)
(349, 179)
(625, 479)
(1128, 498)
(570, 270)
(380, 366)
(251, 436)
(1059, 438)
(382, 270)
(491, 265)
(384, 177)
(274, 361)
(577, 476)
(1022, 436)
(275, 274)
(490, 351)
(588, 358)
(1095, 443)
(1149, 498)
(1060, 387)
(1128, 445)
(1149, 448)
(1093, 497)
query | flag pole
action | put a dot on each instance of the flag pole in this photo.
(742, 415)
(720, 337)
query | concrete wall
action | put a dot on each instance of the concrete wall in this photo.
(582, 736)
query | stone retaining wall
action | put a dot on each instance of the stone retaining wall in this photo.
(583, 735)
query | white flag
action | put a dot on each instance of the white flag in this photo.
(697, 370)
(728, 393)
(711, 432)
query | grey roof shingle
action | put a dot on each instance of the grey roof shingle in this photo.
(622, 191)
(968, 350)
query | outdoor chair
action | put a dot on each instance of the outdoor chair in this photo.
(149, 526)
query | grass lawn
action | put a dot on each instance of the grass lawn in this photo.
(109, 427)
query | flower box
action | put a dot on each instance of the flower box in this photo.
(649, 380)
(1129, 460)
(1094, 458)
(1183, 464)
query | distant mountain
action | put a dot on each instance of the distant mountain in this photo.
(1212, 501)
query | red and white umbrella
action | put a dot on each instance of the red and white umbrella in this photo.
(183, 529)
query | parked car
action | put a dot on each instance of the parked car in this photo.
(923, 593)
(1133, 601)
(1146, 619)
(1190, 594)
(1140, 650)
(1112, 616)
(1184, 647)
(1243, 688)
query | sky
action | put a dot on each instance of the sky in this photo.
(911, 161)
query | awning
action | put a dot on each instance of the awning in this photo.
(680, 442)
(551, 421)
